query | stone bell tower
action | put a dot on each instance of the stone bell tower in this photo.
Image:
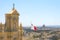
(11, 29)
(12, 20)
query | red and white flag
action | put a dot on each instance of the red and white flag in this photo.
(33, 27)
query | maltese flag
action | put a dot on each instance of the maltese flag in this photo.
(33, 27)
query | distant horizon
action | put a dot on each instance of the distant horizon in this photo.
(45, 26)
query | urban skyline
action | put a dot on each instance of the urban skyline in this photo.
(38, 12)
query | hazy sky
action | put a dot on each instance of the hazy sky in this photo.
(38, 12)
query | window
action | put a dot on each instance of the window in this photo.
(9, 36)
(1, 38)
(15, 39)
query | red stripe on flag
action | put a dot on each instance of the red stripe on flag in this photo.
(35, 28)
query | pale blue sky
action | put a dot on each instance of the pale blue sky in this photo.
(38, 12)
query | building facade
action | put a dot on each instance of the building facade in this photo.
(11, 29)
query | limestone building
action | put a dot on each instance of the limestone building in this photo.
(11, 29)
